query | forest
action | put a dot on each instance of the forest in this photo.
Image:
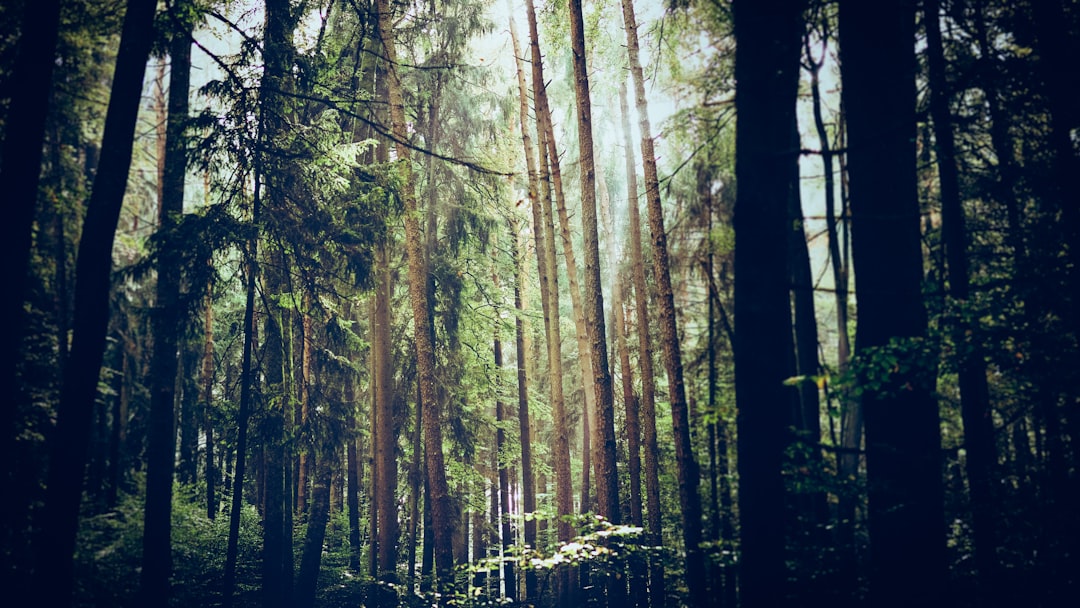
(403, 303)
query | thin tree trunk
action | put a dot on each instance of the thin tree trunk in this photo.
(981, 461)
(385, 434)
(436, 469)
(246, 380)
(208, 411)
(687, 467)
(657, 587)
(161, 451)
(69, 440)
(545, 248)
(352, 473)
(527, 480)
(502, 466)
(415, 489)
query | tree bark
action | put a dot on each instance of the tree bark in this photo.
(687, 466)
(385, 435)
(657, 587)
(528, 482)
(902, 426)
(769, 37)
(24, 134)
(161, 450)
(69, 441)
(545, 248)
(425, 352)
(607, 482)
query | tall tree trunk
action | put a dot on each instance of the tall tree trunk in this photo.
(415, 489)
(208, 411)
(902, 426)
(851, 424)
(303, 469)
(68, 443)
(528, 482)
(161, 450)
(687, 466)
(246, 380)
(425, 352)
(769, 37)
(981, 461)
(657, 588)
(352, 473)
(549, 294)
(607, 482)
(503, 469)
(24, 135)
(385, 435)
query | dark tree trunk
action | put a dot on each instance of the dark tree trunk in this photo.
(208, 404)
(161, 450)
(769, 38)
(69, 441)
(902, 426)
(607, 482)
(24, 135)
(981, 461)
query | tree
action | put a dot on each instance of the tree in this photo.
(974, 391)
(69, 441)
(902, 426)
(425, 353)
(157, 545)
(768, 38)
(647, 412)
(528, 483)
(689, 500)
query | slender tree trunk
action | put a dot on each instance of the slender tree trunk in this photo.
(902, 426)
(246, 380)
(415, 489)
(769, 37)
(657, 587)
(981, 461)
(303, 469)
(161, 451)
(352, 473)
(503, 467)
(549, 293)
(436, 469)
(208, 405)
(851, 425)
(385, 434)
(687, 466)
(527, 480)
(69, 441)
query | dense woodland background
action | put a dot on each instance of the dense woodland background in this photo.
(369, 303)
